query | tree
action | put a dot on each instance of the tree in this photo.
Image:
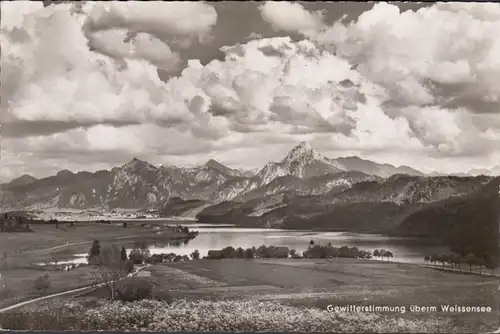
(470, 259)
(42, 283)
(195, 255)
(124, 254)
(457, 260)
(490, 263)
(249, 253)
(382, 254)
(311, 243)
(365, 254)
(240, 253)
(427, 258)
(389, 254)
(293, 253)
(94, 252)
(112, 268)
(443, 258)
(376, 253)
(480, 262)
(262, 252)
(228, 253)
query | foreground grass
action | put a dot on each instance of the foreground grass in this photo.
(182, 315)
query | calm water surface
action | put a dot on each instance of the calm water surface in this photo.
(215, 238)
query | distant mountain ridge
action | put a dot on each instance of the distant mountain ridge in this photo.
(138, 184)
(20, 181)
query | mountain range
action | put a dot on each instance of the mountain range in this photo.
(302, 172)
(303, 190)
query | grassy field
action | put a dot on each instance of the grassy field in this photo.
(341, 282)
(275, 287)
(20, 252)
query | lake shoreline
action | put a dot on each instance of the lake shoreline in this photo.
(429, 239)
(218, 236)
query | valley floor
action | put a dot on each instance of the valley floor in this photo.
(314, 284)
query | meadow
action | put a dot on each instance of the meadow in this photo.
(21, 253)
(259, 294)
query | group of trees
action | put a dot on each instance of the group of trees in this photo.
(170, 257)
(233, 253)
(113, 268)
(328, 251)
(382, 253)
(139, 254)
(250, 253)
(14, 224)
(314, 251)
(456, 260)
(185, 230)
(111, 255)
(58, 223)
(323, 252)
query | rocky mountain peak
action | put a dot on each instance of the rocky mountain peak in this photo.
(220, 168)
(137, 164)
(214, 164)
(303, 151)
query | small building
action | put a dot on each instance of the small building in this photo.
(214, 254)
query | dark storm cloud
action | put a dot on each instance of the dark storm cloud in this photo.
(19, 129)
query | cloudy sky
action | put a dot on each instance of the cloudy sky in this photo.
(89, 86)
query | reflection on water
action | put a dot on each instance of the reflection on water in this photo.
(215, 238)
(404, 249)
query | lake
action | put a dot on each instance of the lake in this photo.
(216, 237)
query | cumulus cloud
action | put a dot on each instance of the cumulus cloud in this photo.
(154, 17)
(291, 17)
(410, 53)
(264, 96)
(144, 30)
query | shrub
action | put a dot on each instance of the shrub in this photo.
(134, 289)
(42, 283)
